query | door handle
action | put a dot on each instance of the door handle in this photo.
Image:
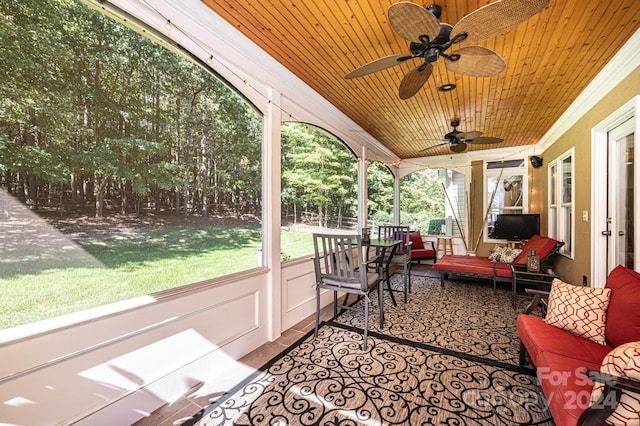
(621, 233)
(607, 233)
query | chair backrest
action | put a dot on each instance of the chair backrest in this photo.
(394, 232)
(416, 240)
(337, 260)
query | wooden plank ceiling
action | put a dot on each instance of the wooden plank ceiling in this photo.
(550, 59)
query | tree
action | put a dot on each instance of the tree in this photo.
(319, 171)
(380, 182)
(422, 199)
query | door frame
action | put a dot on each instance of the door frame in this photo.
(599, 158)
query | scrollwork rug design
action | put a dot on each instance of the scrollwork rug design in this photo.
(466, 317)
(331, 381)
(448, 356)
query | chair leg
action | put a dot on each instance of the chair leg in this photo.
(523, 351)
(406, 281)
(366, 322)
(317, 309)
(335, 305)
(393, 299)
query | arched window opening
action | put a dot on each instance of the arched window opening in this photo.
(319, 187)
(127, 169)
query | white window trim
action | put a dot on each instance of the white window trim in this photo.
(567, 251)
(510, 171)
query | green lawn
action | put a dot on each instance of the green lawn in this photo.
(131, 265)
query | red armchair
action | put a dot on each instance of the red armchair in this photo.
(419, 251)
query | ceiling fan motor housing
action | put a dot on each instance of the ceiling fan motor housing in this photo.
(435, 10)
(453, 136)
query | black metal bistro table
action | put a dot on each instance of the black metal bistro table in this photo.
(383, 246)
(521, 276)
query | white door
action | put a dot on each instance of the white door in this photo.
(614, 204)
(618, 229)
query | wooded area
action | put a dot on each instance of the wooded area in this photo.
(97, 116)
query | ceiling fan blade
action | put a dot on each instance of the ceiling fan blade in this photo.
(378, 65)
(496, 18)
(458, 148)
(477, 61)
(411, 21)
(468, 136)
(435, 146)
(414, 80)
(485, 140)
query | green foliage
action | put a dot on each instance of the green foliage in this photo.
(118, 111)
(422, 191)
(435, 226)
(380, 199)
(318, 173)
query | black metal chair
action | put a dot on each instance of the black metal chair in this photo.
(401, 259)
(341, 266)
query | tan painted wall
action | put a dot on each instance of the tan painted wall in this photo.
(578, 136)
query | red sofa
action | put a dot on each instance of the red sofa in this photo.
(561, 357)
(482, 267)
(419, 251)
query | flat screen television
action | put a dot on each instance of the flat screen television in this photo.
(516, 227)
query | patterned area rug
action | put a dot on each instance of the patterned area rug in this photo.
(435, 372)
(463, 316)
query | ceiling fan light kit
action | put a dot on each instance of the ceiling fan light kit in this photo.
(429, 40)
(446, 87)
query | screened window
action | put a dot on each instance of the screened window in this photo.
(424, 204)
(127, 169)
(506, 191)
(319, 187)
(561, 196)
(380, 183)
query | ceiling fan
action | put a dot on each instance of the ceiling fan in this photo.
(430, 39)
(458, 140)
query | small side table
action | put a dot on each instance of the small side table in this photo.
(447, 245)
(521, 276)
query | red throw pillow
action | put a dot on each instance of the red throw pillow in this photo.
(416, 240)
(623, 314)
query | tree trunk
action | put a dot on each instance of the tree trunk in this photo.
(326, 215)
(204, 174)
(99, 194)
(185, 193)
(73, 183)
(177, 201)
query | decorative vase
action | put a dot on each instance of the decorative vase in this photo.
(533, 262)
